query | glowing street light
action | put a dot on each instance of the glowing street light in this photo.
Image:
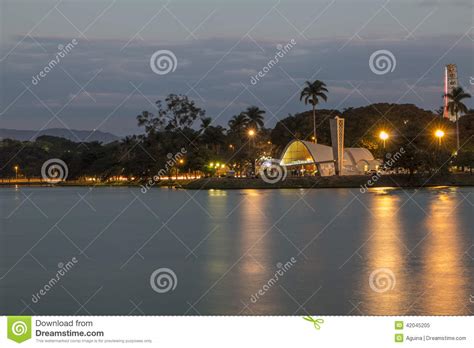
(251, 134)
(16, 172)
(383, 135)
(439, 134)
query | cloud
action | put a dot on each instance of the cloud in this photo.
(216, 71)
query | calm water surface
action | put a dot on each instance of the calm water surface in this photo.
(384, 252)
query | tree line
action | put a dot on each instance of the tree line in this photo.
(178, 123)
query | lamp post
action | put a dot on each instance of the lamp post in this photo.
(251, 134)
(439, 133)
(180, 163)
(16, 172)
(211, 168)
(383, 135)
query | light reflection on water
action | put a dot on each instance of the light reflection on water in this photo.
(444, 277)
(385, 250)
(224, 247)
(430, 276)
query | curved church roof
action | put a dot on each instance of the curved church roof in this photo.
(305, 152)
(358, 154)
(297, 151)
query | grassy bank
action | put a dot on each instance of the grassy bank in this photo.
(39, 183)
(356, 181)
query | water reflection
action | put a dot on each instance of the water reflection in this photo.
(444, 274)
(235, 256)
(217, 193)
(253, 245)
(384, 291)
(217, 247)
(256, 264)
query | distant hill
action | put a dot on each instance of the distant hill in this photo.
(73, 135)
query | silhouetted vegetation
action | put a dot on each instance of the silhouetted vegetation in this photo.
(178, 123)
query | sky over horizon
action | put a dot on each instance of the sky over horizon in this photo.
(106, 78)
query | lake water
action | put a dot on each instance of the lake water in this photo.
(384, 252)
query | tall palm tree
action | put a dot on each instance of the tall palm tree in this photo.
(312, 93)
(126, 145)
(238, 123)
(205, 123)
(203, 129)
(456, 106)
(254, 117)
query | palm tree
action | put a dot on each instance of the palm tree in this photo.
(312, 93)
(213, 136)
(456, 106)
(126, 145)
(205, 123)
(254, 117)
(238, 123)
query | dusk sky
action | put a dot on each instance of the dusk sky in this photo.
(106, 79)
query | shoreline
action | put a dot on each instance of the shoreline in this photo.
(354, 181)
(363, 182)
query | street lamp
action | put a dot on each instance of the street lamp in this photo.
(16, 172)
(251, 134)
(383, 136)
(439, 134)
(180, 163)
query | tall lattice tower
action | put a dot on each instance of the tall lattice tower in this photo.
(450, 82)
